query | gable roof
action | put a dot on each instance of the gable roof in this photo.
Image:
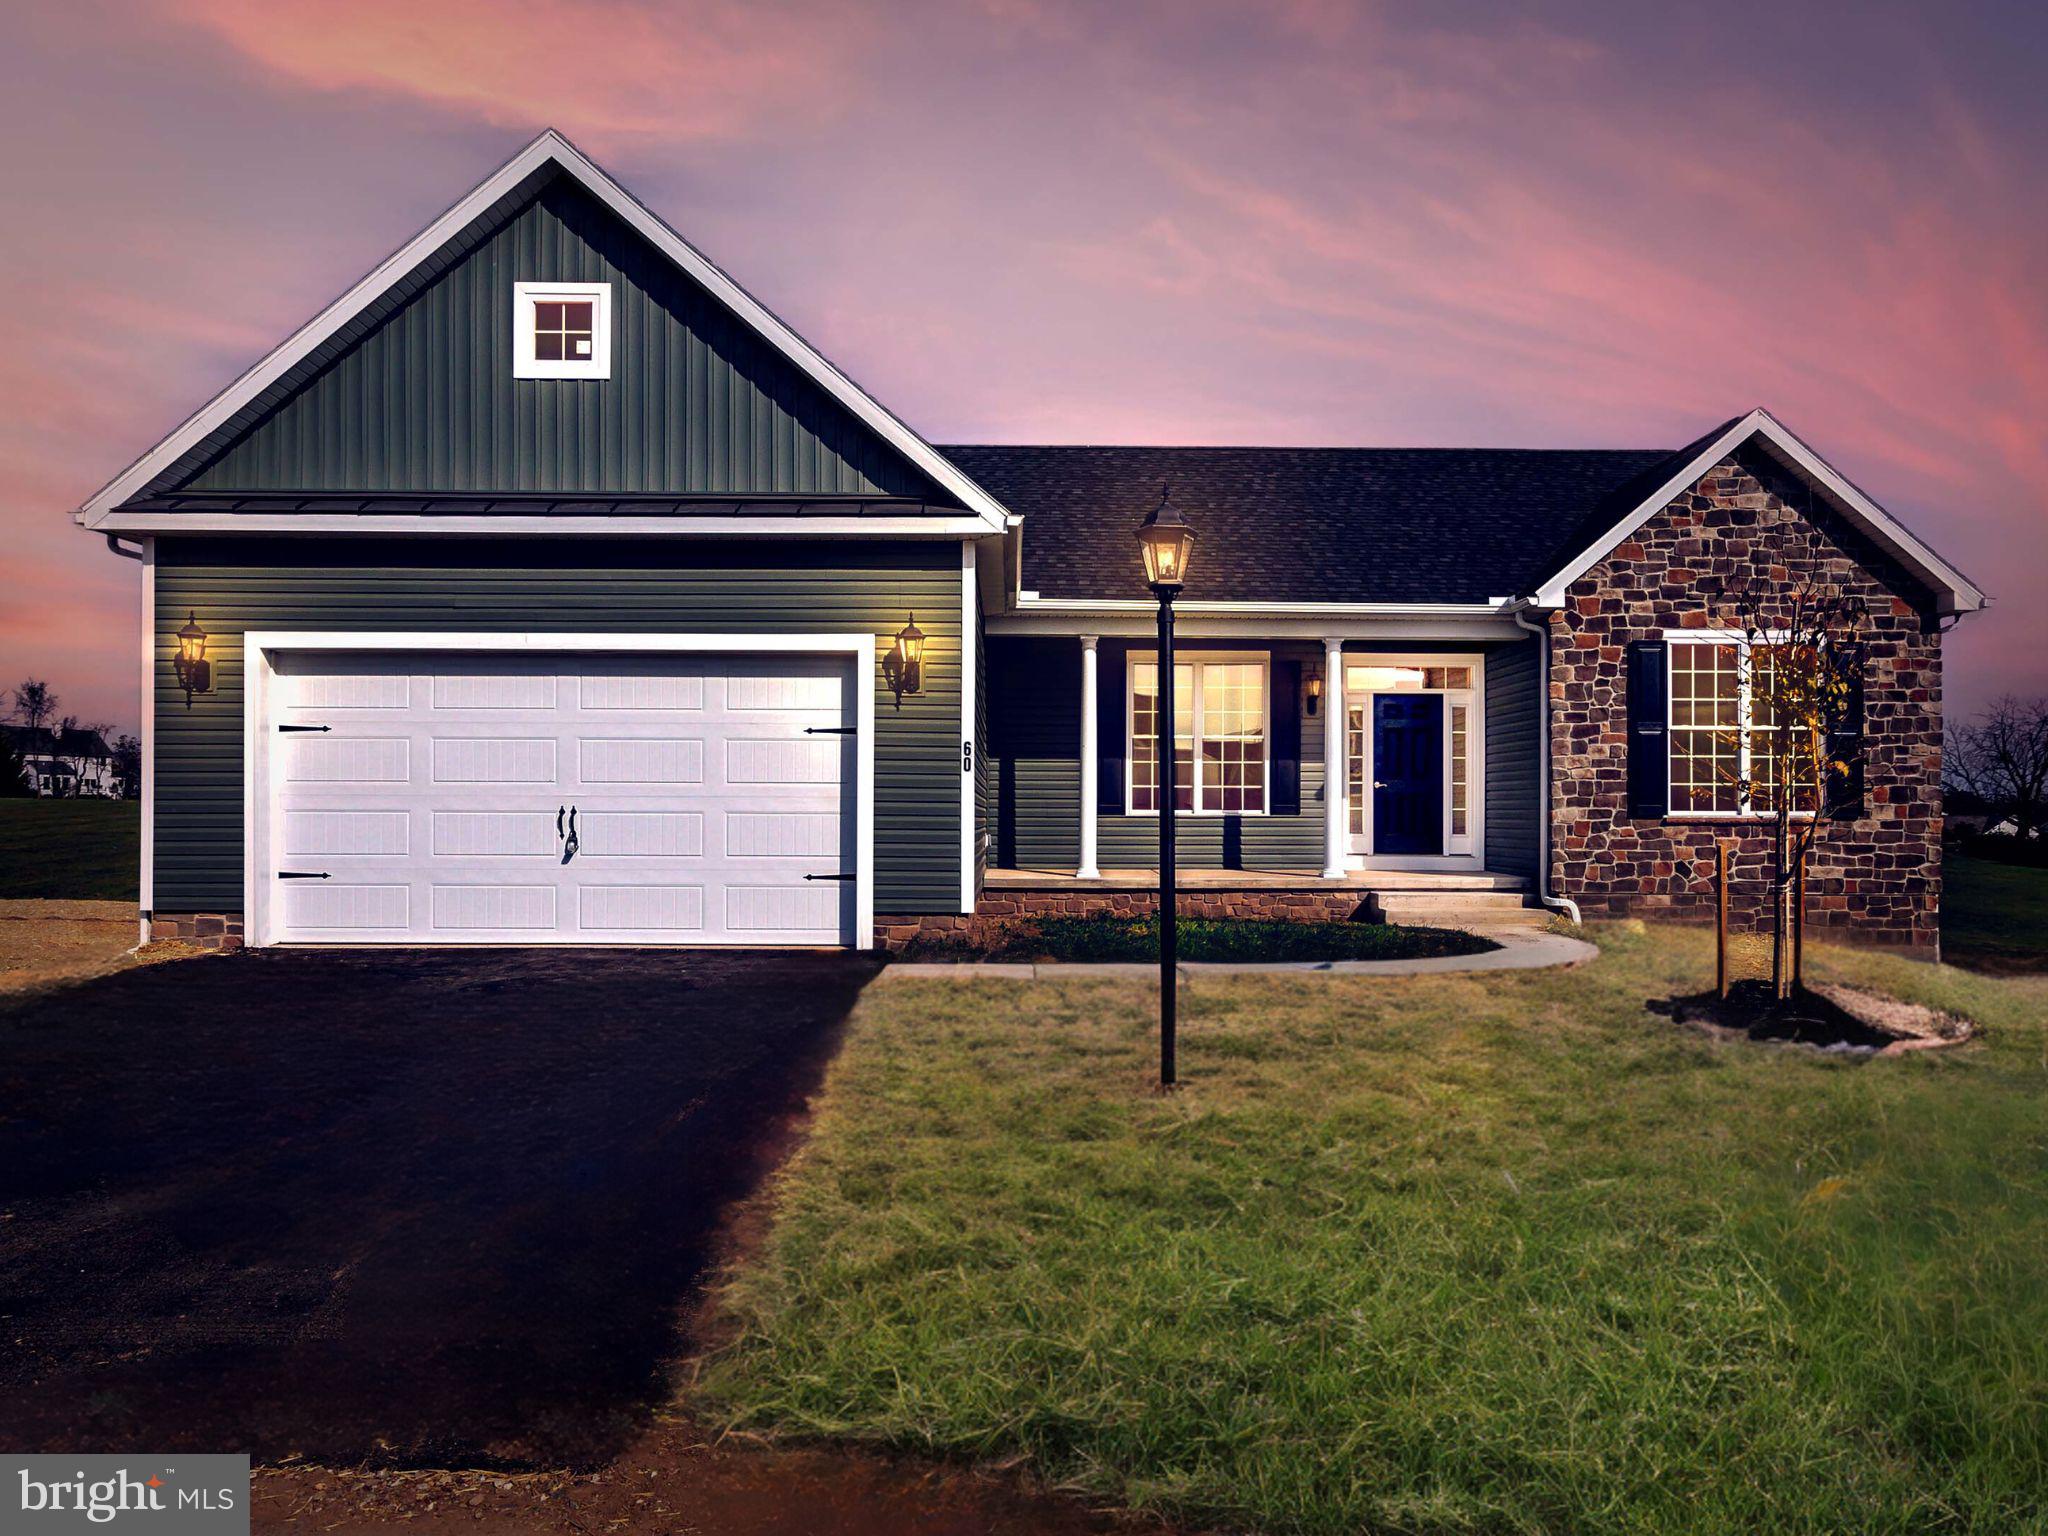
(42, 741)
(421, 258)
(1596, 537)
(1305, 525)
(1396, 526)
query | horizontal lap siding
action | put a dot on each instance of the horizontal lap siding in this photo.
(727, 588)
(1513, 815)
(1037, 743)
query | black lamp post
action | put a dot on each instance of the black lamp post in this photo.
(1167, 543)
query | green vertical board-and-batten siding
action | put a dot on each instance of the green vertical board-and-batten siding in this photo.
(579, 586)
(425, 398)
(1513, 809)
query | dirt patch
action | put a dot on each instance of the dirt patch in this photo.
(51, 943)
(1825, 1016)
(679, 1478)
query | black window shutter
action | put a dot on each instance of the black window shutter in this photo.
(1109, 727)
(1286, 738)
(1845, 746)
(1649, 760)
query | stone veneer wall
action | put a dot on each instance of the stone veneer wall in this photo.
(1876, 879)
(209, 930)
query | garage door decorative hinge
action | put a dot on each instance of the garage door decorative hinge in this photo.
(831, 877)
(303, 874)
(829, 730)
(305, 727)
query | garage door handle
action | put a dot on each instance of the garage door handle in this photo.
(303, 874)
(828, 730)
(305, 727)
(830, 877)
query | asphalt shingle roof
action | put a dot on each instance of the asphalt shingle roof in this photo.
(1360, 525)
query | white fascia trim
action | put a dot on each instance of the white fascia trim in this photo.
(794, 526)
(259, 645)
(1029, 602)
(1956, 592)
(550, 146)
(1198, 626)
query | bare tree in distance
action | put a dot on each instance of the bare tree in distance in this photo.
(34, 704)
(2002, 758)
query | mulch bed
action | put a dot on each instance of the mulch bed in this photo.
(1238, 940)
(1826, 1016)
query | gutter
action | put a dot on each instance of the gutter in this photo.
(1561, 904)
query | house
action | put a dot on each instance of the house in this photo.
(66, 763)
(548, 588)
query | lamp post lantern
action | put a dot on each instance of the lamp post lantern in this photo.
(1167, 543)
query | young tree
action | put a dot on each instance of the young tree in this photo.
(2002, 757)
(1799, 757)
(14, 782)
(34, 704)
(128, 766)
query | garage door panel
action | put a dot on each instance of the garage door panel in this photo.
(495, 834)
(349, 833)
(675, 910)
(347, 759)
(494, 691)
(642, 760)
(642, 834)
(493, 908)
(710, 799)
(495, 759)
(340, 909)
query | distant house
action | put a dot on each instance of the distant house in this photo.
(66, 764)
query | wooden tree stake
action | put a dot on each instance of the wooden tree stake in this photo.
(1721, 917)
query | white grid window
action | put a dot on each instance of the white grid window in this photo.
(1220, 724)
(562, 330)
(1724, 737)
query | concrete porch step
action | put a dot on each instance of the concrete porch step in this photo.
(1458, 909)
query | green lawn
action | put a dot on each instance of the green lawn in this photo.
(1994, 916)
(82, 850)
(1500, 1253)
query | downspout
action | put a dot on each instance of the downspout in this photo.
(145, 555)
(1563, 904)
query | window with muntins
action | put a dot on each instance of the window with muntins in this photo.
(561, 330)
(1725, 739)
(1222, 726)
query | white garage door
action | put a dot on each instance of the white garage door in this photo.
(669, 799)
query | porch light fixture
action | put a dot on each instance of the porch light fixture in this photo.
(1167, 543)
(1313, 695)
(194, 671)
(906, 662)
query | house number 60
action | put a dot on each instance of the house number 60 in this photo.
(967, 757)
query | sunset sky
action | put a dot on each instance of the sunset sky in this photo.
(1022, 220)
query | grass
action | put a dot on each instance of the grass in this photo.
(1480, 1253)
(1994, 916)
(69, 850)
(1126, 938)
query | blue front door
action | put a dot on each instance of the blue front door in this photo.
(1408, 773)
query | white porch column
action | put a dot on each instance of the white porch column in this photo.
(1335, 802)
(1089, 758)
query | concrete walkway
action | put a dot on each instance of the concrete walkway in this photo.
(1521, 949)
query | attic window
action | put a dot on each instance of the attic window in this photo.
(561, 330)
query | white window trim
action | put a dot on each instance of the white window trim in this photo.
(1741, 640)
(596, 366)
(1261, 659)
(1466, 852)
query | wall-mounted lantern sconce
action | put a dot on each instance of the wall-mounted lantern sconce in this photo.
(904, 666)
(194, 671)
(1313, 695)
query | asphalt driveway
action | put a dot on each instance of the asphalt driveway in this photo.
(396, 1207)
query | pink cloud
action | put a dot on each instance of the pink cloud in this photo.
(703, 70)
